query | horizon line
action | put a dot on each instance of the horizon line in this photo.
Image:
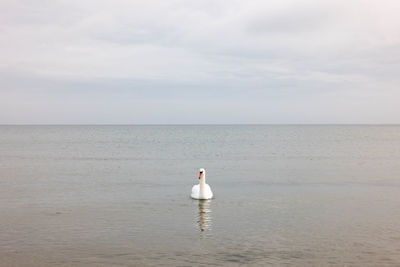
(202, 124)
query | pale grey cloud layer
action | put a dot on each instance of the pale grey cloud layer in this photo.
(231, 61)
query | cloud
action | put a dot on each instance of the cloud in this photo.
(257, 61)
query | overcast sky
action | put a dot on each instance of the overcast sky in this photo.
(161, 62)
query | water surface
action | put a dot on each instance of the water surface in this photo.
(119, 195)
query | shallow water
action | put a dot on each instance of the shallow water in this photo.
(119, 195)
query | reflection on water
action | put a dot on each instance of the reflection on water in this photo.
(204, 218)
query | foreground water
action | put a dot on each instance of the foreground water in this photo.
(119, 195)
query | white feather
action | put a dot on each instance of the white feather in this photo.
(202, 190)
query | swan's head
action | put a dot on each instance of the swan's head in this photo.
(202, 173)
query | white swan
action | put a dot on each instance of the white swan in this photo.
(202, 190)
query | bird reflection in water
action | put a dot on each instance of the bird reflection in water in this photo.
(204, 219)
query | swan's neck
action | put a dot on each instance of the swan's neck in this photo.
(202, 183)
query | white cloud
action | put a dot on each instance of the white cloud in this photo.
(275, 57)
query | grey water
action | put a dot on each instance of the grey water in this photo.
(119, 195)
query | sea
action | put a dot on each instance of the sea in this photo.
(119, 195)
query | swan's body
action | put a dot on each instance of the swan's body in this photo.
(197, 193)
(202, 190)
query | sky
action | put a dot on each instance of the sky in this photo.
(199, 62)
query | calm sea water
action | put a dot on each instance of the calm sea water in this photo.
(119, 195)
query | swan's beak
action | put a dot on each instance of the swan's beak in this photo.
(201, 174)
